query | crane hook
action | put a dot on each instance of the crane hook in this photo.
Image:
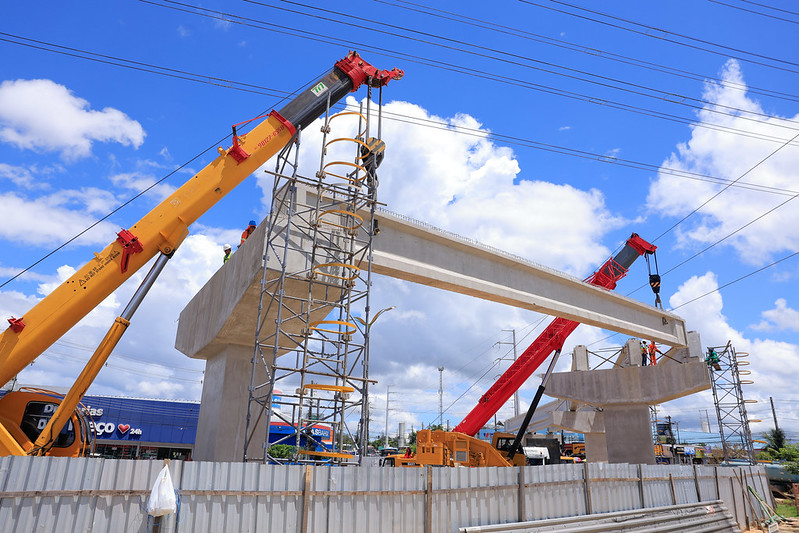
(654, 279)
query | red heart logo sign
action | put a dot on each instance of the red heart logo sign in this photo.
(123, 428)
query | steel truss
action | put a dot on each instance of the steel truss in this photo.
(310, 369)
(725, 375)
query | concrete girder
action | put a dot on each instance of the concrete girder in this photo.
(409, 250)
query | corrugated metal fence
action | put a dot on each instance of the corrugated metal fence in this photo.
(104, 495)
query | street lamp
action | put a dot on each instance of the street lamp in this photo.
(369, 325)
(364, 438)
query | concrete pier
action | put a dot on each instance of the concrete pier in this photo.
(611, 406)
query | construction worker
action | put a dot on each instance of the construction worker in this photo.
(247, 232)
(643, 353)
(653, 350)
(227, 249)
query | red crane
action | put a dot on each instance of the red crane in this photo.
(551, 340)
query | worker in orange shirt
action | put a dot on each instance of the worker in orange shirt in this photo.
(653, 350)
(247, 232)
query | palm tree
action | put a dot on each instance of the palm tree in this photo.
(775, 440)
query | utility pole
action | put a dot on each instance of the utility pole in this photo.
(441, 396)
(515, 394)
(388, 387)
(774, 413)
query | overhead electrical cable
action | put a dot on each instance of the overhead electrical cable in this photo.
(662, 36)
(272, 27)
(258, 89)
(703, 204)
(736, 280)
(588, 50)
(136, 65)
(634, 88)
(755, 12)
(771, 7)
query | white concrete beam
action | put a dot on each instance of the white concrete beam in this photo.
(412, 251)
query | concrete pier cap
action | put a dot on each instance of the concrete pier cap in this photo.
(616, 421)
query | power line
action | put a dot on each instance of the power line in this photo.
(591, 51)
(258, 89)
(663, 33)
(304, 34)
(634, 88)
(718, 289)
(137, 65)
(756, 12)
(703, 204)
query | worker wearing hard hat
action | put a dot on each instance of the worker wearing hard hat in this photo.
(247, 232)
(227, 249)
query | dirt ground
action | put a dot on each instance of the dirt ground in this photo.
(791, 525)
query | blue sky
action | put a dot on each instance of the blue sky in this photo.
(559, 129)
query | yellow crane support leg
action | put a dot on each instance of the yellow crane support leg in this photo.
(79, 388)
(96, 362)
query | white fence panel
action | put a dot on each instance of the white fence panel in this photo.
(61, 494)
(613, 487)
(554, 491)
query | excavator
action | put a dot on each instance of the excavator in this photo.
(40, 423)
(459, 447)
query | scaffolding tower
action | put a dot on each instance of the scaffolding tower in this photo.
(725, 377)
(310, 381)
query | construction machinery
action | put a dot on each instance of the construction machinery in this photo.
(459, 447)
(41, 424)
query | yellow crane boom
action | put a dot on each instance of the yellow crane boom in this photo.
(160, 231)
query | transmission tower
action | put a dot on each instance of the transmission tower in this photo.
(310, 369)
(725, 375)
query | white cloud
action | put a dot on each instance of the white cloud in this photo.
(730, 156)
(52, 219)
(45, 116)
(19, 176)
(157, 369)
(138, 182)
(766, 362)
(780, 318)
(470, 185)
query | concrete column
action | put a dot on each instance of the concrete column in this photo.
(628, 434)
(223, 412)
(596, 447)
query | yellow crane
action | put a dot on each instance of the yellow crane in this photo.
(30, 422)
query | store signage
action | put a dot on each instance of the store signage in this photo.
(107, 429)
(103, 428)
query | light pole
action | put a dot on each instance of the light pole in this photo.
(363, 445)
(441, 396)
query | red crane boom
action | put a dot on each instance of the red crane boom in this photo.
(551, 339)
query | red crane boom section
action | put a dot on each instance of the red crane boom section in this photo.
(551, 339)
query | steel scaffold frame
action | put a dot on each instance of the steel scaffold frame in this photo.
(736, 438)
(317, 275)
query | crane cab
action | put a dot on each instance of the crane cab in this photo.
(25, 414)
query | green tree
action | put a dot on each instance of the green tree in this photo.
(282, 451)
(775, 440)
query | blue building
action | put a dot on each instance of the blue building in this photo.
(131, 428)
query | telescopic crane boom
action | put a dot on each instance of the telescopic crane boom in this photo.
(550, 340)
(160, 231)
